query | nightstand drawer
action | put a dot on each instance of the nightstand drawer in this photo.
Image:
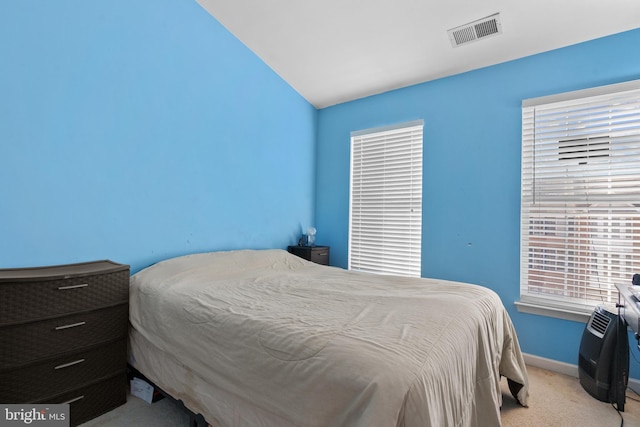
(29, 301)
(62, 374)
(320, 256)
(22, 344)
(317, 254)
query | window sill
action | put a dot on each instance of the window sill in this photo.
(558, 313)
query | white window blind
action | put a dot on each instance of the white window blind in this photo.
(580, 214)
(385, 218)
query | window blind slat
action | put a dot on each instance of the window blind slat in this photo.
(580, 213)
(386, 201)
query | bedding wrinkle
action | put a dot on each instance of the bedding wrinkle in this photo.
(443, 388)
(270, 339)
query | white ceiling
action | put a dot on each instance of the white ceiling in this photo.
(333, 51)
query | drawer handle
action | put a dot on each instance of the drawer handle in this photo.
(66, 365)
(69, 402)
(322, 254)
(63, 288)
(73, 325)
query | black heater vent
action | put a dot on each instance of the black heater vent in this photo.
(603, 360)
(599, 323)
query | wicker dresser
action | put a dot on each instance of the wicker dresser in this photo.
(63, 336)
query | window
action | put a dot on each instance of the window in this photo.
(580, 213)
(385, 216)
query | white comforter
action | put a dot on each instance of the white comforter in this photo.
(290, 343)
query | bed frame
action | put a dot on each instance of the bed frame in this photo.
(195, 420)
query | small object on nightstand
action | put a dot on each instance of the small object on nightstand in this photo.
(317, 254)
(311, 236)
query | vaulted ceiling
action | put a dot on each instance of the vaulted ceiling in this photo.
(333, 51)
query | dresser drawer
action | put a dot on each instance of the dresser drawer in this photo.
(22, 344)
(60, 375)
(21, 301)
(89, 402)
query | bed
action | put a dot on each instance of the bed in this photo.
(264, 338)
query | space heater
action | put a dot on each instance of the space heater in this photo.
(603, 362)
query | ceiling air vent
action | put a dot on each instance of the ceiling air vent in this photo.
(476, 30)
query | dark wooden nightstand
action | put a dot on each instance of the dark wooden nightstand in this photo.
(317, 254)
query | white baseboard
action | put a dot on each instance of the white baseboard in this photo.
(564, 368)
(551, 365)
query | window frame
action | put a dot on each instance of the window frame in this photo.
(396, 249)
(582, 153)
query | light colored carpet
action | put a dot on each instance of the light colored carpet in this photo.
(559, 400)
(556, 400)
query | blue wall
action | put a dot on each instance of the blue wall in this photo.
(471, 176)
(135, 131)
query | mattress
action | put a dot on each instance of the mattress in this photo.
(264, 338)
